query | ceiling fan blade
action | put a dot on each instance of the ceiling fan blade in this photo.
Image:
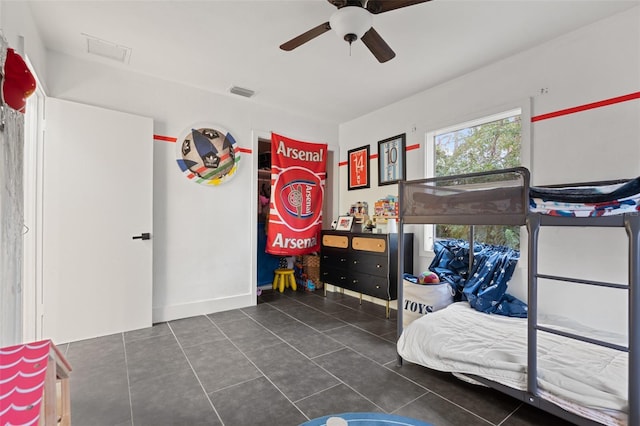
(377, 46)
(342, 3)
(338, 3)
(381, 6)
(305, 37)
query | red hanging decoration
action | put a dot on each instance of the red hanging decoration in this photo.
(18, 82)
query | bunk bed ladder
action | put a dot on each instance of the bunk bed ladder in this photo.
(631, 223)
(632, 226)
(401, 271)
(533, 227)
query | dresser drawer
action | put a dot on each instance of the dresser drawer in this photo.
(339, 277)
(372, 285)
(368, 264)
(369, 244)
(376, 286)
(335, 258)
(338, 241)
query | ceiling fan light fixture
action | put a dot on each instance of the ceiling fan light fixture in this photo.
(351, 22)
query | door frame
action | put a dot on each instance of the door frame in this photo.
(327, 207)
(33, 188)
(256, 135)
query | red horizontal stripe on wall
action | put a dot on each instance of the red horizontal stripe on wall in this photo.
(559, 113)
(164, 138)
(172, 139)
(586, 107)
(372, 156)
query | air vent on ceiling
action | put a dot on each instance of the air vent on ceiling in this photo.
(247, 93)
(107, 49)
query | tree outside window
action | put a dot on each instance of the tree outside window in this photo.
(481, 147)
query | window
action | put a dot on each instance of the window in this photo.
(489, 143)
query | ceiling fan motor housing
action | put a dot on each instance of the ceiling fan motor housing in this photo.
(351, 22)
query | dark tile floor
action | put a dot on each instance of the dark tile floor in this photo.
(293, 357)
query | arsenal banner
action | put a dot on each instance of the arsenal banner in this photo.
(298, 173)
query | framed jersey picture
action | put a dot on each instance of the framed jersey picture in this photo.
(358, 168)
(391, 160)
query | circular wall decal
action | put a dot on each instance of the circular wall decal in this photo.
(208, 155)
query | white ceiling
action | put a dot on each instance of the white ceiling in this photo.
(217, 44)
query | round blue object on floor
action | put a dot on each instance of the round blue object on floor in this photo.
(364, 419)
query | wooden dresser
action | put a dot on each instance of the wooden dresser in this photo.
(364, 262)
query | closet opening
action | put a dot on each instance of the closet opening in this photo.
(266, 263)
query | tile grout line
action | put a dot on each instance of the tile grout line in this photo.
(313, 359)
(254, 364)
(511, 414)
(318, 392)
(440, 396)
(427, 391)
(383, 365)
(194, 373)
(346, 323)
(271, 324)
(126, 366)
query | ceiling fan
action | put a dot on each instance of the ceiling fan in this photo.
(353, 21)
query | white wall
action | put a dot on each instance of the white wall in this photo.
(11, 229)
(202, 245)
(597, 62)
(19, 29)
(11, 190)
(203, 235)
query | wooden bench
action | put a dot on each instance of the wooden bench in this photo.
(34, 385)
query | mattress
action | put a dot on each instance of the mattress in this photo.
(587, 200)
(582, 378)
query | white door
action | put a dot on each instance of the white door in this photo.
(98, 165)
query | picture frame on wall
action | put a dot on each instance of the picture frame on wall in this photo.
(392, 160)
(344, 223)
(358, 168)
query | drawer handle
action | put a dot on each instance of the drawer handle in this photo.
(325, 257)
(343, 260)
(378, 266)
(343, 278)
(377, 286)
(355, 281)
(355, 262)
(324, 274)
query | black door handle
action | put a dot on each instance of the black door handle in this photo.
(143, 236)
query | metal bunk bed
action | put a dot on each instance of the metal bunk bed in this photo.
(502, 198)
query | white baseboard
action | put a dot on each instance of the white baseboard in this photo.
(202, 307)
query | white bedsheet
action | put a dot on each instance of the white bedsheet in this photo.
(463, 340)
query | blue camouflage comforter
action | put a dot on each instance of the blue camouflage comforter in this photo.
(485, 288)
